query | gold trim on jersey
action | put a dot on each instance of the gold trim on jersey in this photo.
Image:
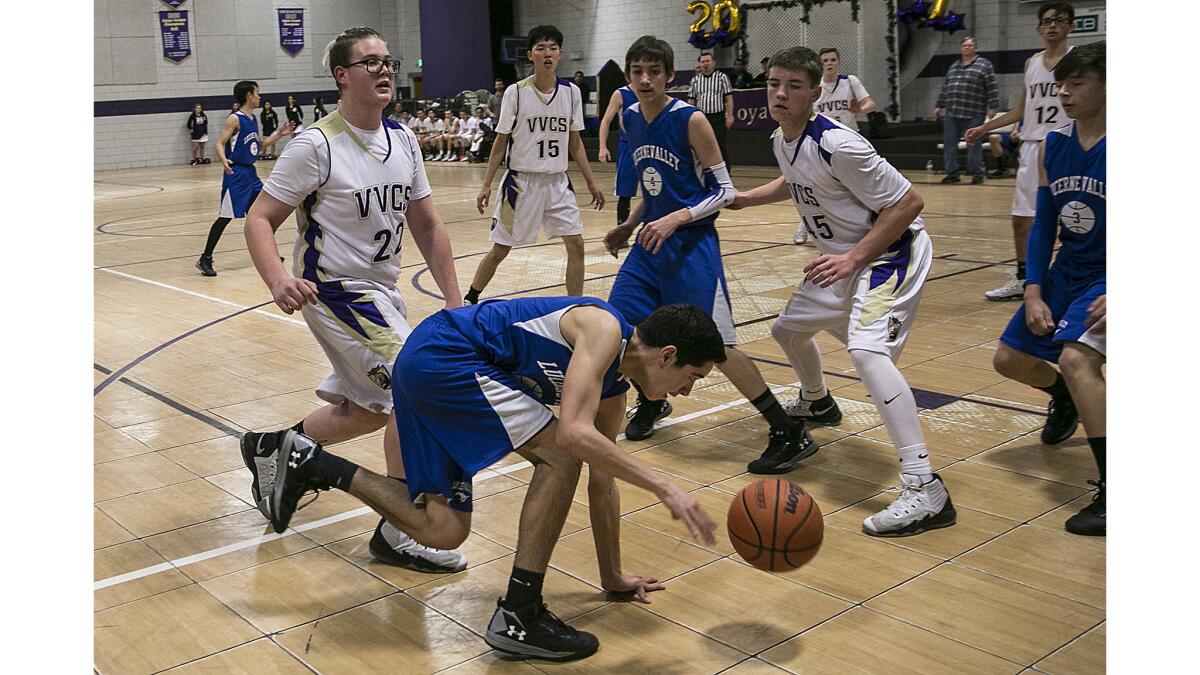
(881, 299)
(381, 340)
(338, 125)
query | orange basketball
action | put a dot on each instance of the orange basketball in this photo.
(775, 525)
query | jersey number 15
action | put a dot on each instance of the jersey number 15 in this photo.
(547, 148)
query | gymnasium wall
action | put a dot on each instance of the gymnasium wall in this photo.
(231, 40)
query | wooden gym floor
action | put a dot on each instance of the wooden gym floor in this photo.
(190, 579)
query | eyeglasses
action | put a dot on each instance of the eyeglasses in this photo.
(376, 66)
(1050, 21)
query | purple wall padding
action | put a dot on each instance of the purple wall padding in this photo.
(456, 46)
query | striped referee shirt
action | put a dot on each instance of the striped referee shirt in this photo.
(708, 91)
(969, 90)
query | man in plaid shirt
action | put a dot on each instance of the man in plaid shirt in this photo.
(968, 93)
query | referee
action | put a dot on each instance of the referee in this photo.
(711, 93)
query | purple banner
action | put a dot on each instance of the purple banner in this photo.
(176, 40)
(173, 3)
(749, 109)
(291, 30)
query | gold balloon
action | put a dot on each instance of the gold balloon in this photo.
(938, 7)
(706, 12)
(735, 15)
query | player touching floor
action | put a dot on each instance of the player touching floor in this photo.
(356, 182)
(677, 255)
(1063, 318)
(540, 121)
(472, 385)
(626, 183)
(864, 288)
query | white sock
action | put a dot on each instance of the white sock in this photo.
(802, 353)
(894, 400)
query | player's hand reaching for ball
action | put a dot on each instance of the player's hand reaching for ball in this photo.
(683, 506)
(291, 293)
(828, 269)
(287, 129)
(632, 587)
(617, 239)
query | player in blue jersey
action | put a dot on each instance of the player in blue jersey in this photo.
(677, 255)
(1063, 318)
(473, 384)
(626, 182)
(237, 148)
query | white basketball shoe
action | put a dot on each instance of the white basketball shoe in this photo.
(394, 547)
(920, 507)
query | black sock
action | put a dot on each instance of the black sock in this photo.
(1058, 390)
(622, 210)
(214, 235)
(337, 472)
(298, 427)
(524, 589)
(1020, 269)
(1098, 444)
(774, 413)
(472, 295)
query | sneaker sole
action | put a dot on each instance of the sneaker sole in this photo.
(282, 469)
(1086, 532)
(946, 518)
(507, 645)
(249, 453)
(819, 421)
(1004, 298)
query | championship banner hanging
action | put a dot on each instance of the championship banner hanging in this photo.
(173, 3)
(291, 30)
(176, 40)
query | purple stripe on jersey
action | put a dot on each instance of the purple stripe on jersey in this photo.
(897, 264)
(347, 306)
(815, 128)
(311, 255)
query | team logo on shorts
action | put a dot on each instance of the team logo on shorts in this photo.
(1077, 217)
(380, 376)
(893, 328)
(652, 181)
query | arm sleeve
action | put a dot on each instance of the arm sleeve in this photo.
(720, 194)
(508, 111)
(866, 175)
(857, 89)
(1041, 238)
(301, 168)
(576, 109)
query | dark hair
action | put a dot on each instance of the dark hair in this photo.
(650, 48)
(764, 60)
(243, 89)
(317, 101)
(827, 50)
(969, 37)
(1059, 8)
(545, 33)
(800, 59)
(1089, 57)
(686, 327)
(579, 72)
(704, 54)
(266, 103)
(337, 52)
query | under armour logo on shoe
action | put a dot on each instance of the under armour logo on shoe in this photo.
(295, 456)
(513, 631)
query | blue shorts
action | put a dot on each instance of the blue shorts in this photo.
(1068, 301)
(239, 190)
(627, 177)
(456, 413)
(687, 270)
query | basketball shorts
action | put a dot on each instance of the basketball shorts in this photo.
(873, 311)
(239, 190)
(529, 202)
(203, 139)
(456, 413)
(627, 176)
(361, 326)
(1024, 202)
(686, 270)
(1068, 301)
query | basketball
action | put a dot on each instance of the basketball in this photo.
(775, 525)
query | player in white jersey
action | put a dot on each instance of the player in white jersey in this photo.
(864, 288)
(1039, 112)
(540, 121)
(355, 182)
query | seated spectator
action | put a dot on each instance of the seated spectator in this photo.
(739, 78)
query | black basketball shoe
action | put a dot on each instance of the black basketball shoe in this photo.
(1061, 421)
(785, 450)
(283, 466)
(392, 546)
(643, 418)
(534, 632)
(823, 411)
(1091, 520)
(204, 264)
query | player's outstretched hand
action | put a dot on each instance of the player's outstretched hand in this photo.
(597, 196)
(617, 239)
(972, 134)
(1037, 316)
(739, 201)
(632, 587)
(228, 166)
(485, 195)
(654, 234)
(1097, 311)
(683, 506)
(605, 155)
(287, 129)
(828, 269)
(291, 293)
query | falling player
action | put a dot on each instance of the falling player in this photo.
(864, 288)
(1063, 318)
(677, 255)
(540, 118)
(626, 183)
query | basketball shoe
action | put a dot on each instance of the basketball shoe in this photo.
(822, 411)
(920, 507)
(1061, 421)
(204, 264)
(800, 235)
(534, 632)
(1013, 289)
(643, 418)
(392, 546)
(1091, 520)
(283, 468)
(785, 450)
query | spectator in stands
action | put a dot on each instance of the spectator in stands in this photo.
(394, 110)
(580, 82)
(433, 129)
(740, 78)
(482, 146)
(234, 108)
(493, 104)
(198, 124)
(760, 80)
(968, 95)
(269, 123)
(405, 119)
(295, 114)
(318, 109)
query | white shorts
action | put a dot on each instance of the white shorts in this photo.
(873, 311)
(1025, 198)
(361, 328)
(531, 201)
(1096, 337)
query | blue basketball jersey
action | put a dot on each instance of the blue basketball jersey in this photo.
(243, 147)
(1076, 179)
(522, 337)
(670, 175)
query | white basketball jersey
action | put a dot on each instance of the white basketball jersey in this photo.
(836, 97)
(540, 125)
(1042, 109)
(351, 196)
(838, 183)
